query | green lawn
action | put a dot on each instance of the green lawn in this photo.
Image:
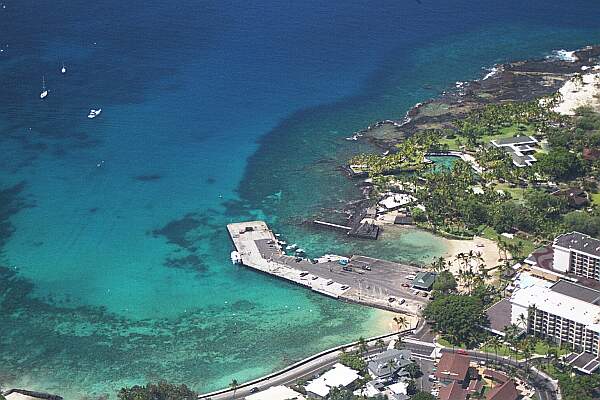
(503, 350)
(595, 198)
(527, 248)
(516, 193)
(452, 143)
(507, 132)
(446, 343)
(542, 347)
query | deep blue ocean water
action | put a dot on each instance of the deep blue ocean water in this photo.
(115, 258)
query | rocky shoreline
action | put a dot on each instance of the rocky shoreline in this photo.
(507, 82)
(514, 81)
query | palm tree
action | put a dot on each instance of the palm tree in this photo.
(401, 322)
(379, 343)
(438, 265)
(362, 346)
(391, 366)
(496, 344)
(234, 386)
(399, 345)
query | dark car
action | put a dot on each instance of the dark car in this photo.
(254, 390)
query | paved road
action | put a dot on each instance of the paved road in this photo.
(422, 350)
(291, 375)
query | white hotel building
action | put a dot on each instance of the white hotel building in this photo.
(567, 312)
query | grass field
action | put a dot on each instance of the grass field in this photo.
(527, 246)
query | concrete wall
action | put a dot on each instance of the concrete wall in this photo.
(562, 258)
(515, 314)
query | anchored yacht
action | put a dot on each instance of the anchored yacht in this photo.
(44, 92)
(94, 113)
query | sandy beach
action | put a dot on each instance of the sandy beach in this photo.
(575, 94)
(488, 249)
(384, 321)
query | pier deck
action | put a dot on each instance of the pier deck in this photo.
(365, 280)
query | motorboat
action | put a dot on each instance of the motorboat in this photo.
(236, 257)
(44, 92)
(94, 113)
(63, 70)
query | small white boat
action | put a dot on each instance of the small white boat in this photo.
(44, 92)
(299, 251)
(292, 247)
(63, 70)
(236, 257)
(94, 113)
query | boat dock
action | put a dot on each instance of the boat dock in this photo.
(358, 279)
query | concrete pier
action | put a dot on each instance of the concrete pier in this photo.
(364, 280)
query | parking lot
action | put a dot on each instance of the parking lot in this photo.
(363, 279)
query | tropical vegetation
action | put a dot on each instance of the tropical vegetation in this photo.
(159, 391)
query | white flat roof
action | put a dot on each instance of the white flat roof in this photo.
(339, 375)
(545, 299)
(276, 393)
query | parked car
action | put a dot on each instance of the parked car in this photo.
(329, 282)
(410, 277)
(401, 301)
(405, 285)
(314, 278)
(344, 287)
(254, 390)
(303, 273)
(347, 268)
(392, 299)
(366, 267)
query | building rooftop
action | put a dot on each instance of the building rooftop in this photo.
(453, 366)
(542, 257)
(379, 365)
(339, 375)
(424, 280)
(557, 303)
(499, 316)
(574, 196)
(579, 242)
(505, 391)
(577, 291)
(495, 375)
(514, 141)
(276, 393)
(453, 391)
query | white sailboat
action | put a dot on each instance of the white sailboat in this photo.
(63, 70)
(44, 92)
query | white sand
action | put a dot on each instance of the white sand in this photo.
(575, 95)
(487, 248)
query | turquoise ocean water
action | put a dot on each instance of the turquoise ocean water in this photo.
(115, 260)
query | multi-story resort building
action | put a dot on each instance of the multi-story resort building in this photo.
(564, 305)
(572, 254)
(566, 313)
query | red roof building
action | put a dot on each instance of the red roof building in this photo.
(506, 391)
(454, 391)
(453, 367)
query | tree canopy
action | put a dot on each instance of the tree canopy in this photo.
(444, 282)
(459, 317)
(423, 396)
(160, 391)
(560, 164)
